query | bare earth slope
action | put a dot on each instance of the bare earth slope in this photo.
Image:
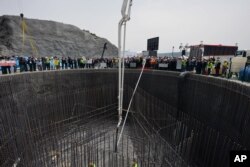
(50, 38)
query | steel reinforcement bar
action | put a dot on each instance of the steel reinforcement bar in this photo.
(68, 118)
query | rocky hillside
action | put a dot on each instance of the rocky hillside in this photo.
(50, 38)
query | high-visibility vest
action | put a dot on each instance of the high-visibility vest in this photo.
(47, 60)
(184, 63)
(56, 62)
(210, 65)
(135, 164)
(225, 64)
(92, 165)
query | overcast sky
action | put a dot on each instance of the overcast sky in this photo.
(174, 21)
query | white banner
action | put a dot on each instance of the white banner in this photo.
(161, 65)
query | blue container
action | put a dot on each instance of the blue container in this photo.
(246, 76)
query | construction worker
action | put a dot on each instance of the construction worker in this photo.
(183, 64)
(91, 164)
(224, 68)
(210, 67)
(134, 164)
(56, 63)
(47, 63)
(81, 63)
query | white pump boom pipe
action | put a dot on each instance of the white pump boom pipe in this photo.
(125, 11)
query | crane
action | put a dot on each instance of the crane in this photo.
(104, 48)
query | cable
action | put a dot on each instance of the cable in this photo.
(130, 102)
(25, 33)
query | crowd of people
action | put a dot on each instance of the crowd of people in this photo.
(25, 64)
(210, 66)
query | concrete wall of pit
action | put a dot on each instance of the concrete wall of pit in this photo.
(68, 118)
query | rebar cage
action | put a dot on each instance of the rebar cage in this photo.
(68, 119)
